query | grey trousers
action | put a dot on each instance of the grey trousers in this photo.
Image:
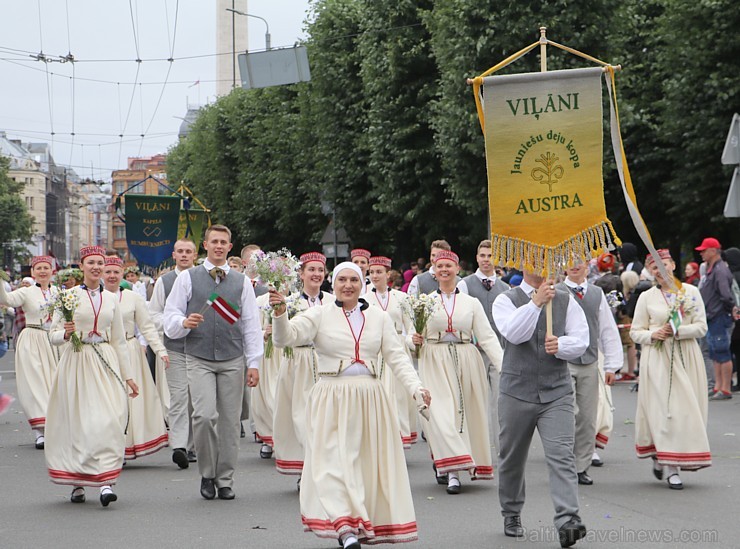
(555, 423)
(178, 417)
(216, 389)
(586, 390)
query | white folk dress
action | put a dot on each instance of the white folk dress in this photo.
(671, 417)
(35, 358)
(390, 302)
(262, 405)
(354, 477)
(452, 369)
(605, 409)
(88, 410)
(296, 378)
(147, 430)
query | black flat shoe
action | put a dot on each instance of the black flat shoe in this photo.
(40, 442)
(453, 489)
(584, 479)
(180, 457)
(675, 485)
(657, 472)
(79, 497)
(571, 532)
(192, 457)
(597, 462)
(107, 498)
(442, 480)
(226, 493)
(243, 433)
(266, 451)
(207, 488)
(513, 527)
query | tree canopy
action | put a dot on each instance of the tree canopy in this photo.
(16, 222)
(386, 133)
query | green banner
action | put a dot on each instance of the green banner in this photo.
(151, 228)
(197, 219)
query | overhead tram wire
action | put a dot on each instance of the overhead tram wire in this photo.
(136, 78)
(49, 82)
(72, 80)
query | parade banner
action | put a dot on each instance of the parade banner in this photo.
(151, 228)
(543, 137)
(197, 220)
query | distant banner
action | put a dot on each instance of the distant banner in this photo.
(197, 219)
(151, 228)
(543, 134)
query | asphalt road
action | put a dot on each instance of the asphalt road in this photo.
(160, 506)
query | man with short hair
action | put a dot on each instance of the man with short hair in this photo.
(535, 391)
(214, 309)
(178, 416)
(426, 283)
(246, 255)
(485, 286)
(716, 292)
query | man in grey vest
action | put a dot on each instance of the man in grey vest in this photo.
(214, 309)
(485, 286)
(178, 416)
(535, 391)
(426, 282)
(602, 334)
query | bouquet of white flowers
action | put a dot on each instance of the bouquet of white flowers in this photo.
(278, 270)
(66, 303)
(419, 309)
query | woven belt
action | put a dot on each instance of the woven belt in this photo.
(37, 327)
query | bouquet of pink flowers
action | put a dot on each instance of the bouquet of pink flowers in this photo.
(279, 270)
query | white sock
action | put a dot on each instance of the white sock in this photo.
(595, 456)
(106, 490)
(37, 433)
(671, 470)
(348, 539)
(454, 479)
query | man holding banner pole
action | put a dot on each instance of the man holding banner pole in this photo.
(214, 308)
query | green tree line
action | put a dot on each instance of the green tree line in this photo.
(386, 132)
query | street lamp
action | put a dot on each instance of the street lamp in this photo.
(267, 32)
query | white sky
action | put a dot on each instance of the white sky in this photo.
(103, 30)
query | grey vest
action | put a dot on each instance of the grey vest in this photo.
(527, 372)
(214, 339)
(428, 284)
(176, 345)
(590, 305)
(486, 297)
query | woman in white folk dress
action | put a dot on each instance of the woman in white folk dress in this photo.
(88, 408)
(147, 430)
(355, 484)
(671, 417)
(453, 370)
(390, 300)
(35, 358)
(297, 376)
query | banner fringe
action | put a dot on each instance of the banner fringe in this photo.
(585, 245)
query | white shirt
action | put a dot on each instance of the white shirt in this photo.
(156, 304)
(609, 341)
(463, 286)
(177, 304)
(518, 324)
(413, 288)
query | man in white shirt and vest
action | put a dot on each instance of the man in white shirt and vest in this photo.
(214, 309)
(178, 416)
(535, 391)
(604, 335)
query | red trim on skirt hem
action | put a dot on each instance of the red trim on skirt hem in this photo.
(147, 448)
(36, 422)
(289, 467)
(83, 479)
(686, 461)
(364, 530)
(452, 464)
(601, 440)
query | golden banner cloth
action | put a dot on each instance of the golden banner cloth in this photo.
(543, 134)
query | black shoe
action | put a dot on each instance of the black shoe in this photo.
(513, 527)
(571, 532)
(453, 489)
(597, 462)
(355, 545)
(657, 472)
(225, 493)
(79, 497)
(266, 451)
(243, 433)
(40, 442)
(180, 457)
(192, 458)
(207, 488)
(443, 479)
(584, 479)
(107, 497)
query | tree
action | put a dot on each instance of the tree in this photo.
(16, 222)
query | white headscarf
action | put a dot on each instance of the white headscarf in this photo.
(341, 267)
